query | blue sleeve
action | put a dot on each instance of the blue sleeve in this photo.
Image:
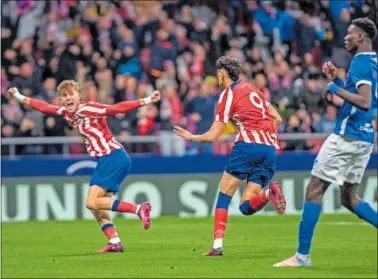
(361, 71)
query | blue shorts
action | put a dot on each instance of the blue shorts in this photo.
(111, 170)
(252, 161)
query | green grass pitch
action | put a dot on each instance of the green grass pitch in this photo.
(173, 248)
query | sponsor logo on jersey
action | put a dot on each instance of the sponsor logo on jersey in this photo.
(367, 128)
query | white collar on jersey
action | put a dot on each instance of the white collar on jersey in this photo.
(366, 53)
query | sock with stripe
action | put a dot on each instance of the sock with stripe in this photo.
(111, 233)
(255, 204)
(220, 218)
(310, 217)
(366, 212)
(121, 206)
(258, 202)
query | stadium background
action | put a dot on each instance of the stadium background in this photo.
(122, 50)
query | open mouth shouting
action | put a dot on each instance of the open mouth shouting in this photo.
(70, 105)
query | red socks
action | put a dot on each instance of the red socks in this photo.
(220, 218)
(111, 233)
(121, 206)
(220, 222)
(259, 201)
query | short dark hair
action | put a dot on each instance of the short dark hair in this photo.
(366, 25)
(231, 65)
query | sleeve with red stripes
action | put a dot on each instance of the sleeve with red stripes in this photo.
(223, 112)
(45, 107)
(99, 110)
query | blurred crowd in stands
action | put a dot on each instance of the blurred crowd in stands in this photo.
(123, 50)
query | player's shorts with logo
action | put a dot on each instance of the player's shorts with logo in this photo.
(342, 159)
(252, 161)
(111, 170)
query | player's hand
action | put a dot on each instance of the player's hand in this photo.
(330, 71)
(12, 91)
(155, 96)
(183, 133)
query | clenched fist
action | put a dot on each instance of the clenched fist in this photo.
(12, 91)
(330, 71)
(155, 96)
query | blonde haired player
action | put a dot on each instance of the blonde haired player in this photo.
(114, 163)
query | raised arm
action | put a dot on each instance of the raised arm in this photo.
(35, 104)
(95, 109)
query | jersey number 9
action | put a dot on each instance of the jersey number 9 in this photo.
(257, 102)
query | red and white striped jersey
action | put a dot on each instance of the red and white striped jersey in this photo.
(91, 121)
(246, 107)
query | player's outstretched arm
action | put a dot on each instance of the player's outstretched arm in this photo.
(33, 103)
(99, 110)
(210, 136)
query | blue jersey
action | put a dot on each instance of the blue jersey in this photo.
(353, 122)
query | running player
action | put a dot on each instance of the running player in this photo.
(253, 157)
(114, 163)
(344, 156)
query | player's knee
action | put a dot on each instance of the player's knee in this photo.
(90, 204)
(315, 190)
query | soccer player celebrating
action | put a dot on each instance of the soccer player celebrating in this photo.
(114, 163)
(344, 156)
(253, 157)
